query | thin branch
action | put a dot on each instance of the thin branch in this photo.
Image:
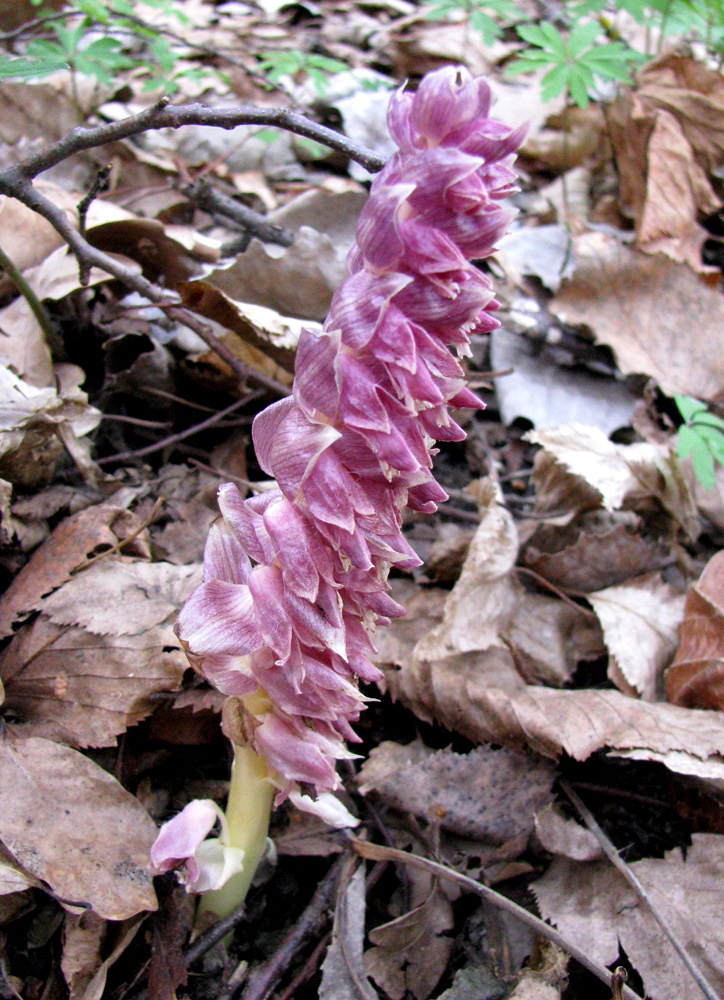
(615, 858)
(188, 318)
(311, 923)
(164, 115)
(376, 852)
(174, 438)
(201, 193)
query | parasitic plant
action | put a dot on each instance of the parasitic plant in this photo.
(295, 580)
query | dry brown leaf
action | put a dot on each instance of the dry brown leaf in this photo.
(484, 594)
(122, 597)
(104, 644)
(32, 422)
(489, 795)
(549, 638)
(594, 906)
(84, 938)
(412, 951)
(696, 677)
(639, 621)
(167, 254)
(70, 824)
(261, 337)
(565, 837)
(638, 305)
(620, 473)
(598, 549)
(668, 136)
(343, 973)
(299, 280)
(75, 538)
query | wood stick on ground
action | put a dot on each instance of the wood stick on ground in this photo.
(615, 858)
(376, 852)
(310, 925)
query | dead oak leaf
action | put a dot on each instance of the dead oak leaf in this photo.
(594, 906)
(696, 677)
(487, 794)
(70, 824)
(74, 539)
(639, 621)
(121, 597)
(638, 305)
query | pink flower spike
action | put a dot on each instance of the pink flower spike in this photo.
(296, 579)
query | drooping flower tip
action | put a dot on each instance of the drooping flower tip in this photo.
(202, 863)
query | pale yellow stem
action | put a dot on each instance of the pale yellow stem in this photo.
(247, 815)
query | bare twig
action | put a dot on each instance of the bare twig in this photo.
(183, 315)
(310, 925)
(165, 115)
(376, 852)
(215, 934)
(100, 183)
(124, 456)
(201, 193)
(615, 858)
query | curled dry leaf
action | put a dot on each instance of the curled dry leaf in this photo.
(412, 951)
(301, 279)
(696, 677)
(594, 906)
(565, 837)
(598, 549)
(617, 473)
(343, 974)
(643, 326)
(84, 945)
(549, 639)
(32, 422)
(479, 692)
(103, 645)
(261, 337)
(668, 136)
(487, 794)
(67, 822)
(639, 621)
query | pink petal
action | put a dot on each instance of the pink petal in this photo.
(219, 618)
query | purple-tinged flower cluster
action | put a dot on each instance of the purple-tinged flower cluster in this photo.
(295, 580)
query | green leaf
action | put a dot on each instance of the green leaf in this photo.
(703, 462)
(25, 69)
(687, 441)
(704, 417)
(687, 406)
(484, 24)
(582, 36)
(555, 40)
(532, 34)
(554, 83)
(577, 87)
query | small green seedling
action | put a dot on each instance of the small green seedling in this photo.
(573, 63)
(293, 63)
(702, 436)
(482, 15)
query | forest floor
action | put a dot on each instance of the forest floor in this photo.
(563, 644)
